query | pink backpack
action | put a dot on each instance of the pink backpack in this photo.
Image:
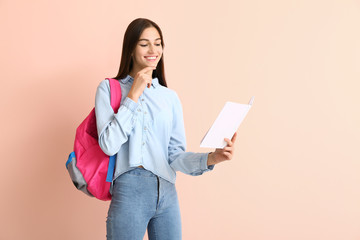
(90, 169)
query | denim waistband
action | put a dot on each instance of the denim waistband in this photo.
(141, 172)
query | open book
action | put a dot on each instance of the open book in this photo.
(226, 124)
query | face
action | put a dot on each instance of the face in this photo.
(148, 50)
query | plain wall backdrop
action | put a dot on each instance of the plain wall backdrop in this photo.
(295, 173)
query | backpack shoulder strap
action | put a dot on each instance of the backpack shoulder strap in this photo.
(115, 100)
(115, 94)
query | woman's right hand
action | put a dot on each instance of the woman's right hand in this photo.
(142, 78)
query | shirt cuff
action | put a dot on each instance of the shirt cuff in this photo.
(130, 104)
(203, 163)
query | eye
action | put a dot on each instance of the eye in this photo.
(158, 44)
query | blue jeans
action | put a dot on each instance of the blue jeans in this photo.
(141, 200)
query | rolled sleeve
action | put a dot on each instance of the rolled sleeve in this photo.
(203, 163)
(130, 104)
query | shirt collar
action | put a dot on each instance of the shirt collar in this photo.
(128, 78)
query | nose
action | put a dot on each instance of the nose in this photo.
(151, 49)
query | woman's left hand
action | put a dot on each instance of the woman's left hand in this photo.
(222, 154)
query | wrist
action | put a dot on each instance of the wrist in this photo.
(133, 97)
(210, 160)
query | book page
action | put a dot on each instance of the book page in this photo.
(226, 124)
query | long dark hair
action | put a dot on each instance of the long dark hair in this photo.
(131, 37)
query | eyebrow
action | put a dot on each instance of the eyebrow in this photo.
(143, 39)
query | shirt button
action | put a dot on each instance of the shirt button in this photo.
(144, 128)
(143, 143)
(142, 99)
(145, 112)
(139, 110)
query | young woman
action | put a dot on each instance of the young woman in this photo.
(148, 136)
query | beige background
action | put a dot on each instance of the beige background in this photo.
(295, 173)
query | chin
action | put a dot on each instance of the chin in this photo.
(151, 65)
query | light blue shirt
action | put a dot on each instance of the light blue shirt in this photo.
(149, 132)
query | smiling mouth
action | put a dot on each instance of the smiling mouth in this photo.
(151, 58)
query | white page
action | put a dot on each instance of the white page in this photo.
(226, 124)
